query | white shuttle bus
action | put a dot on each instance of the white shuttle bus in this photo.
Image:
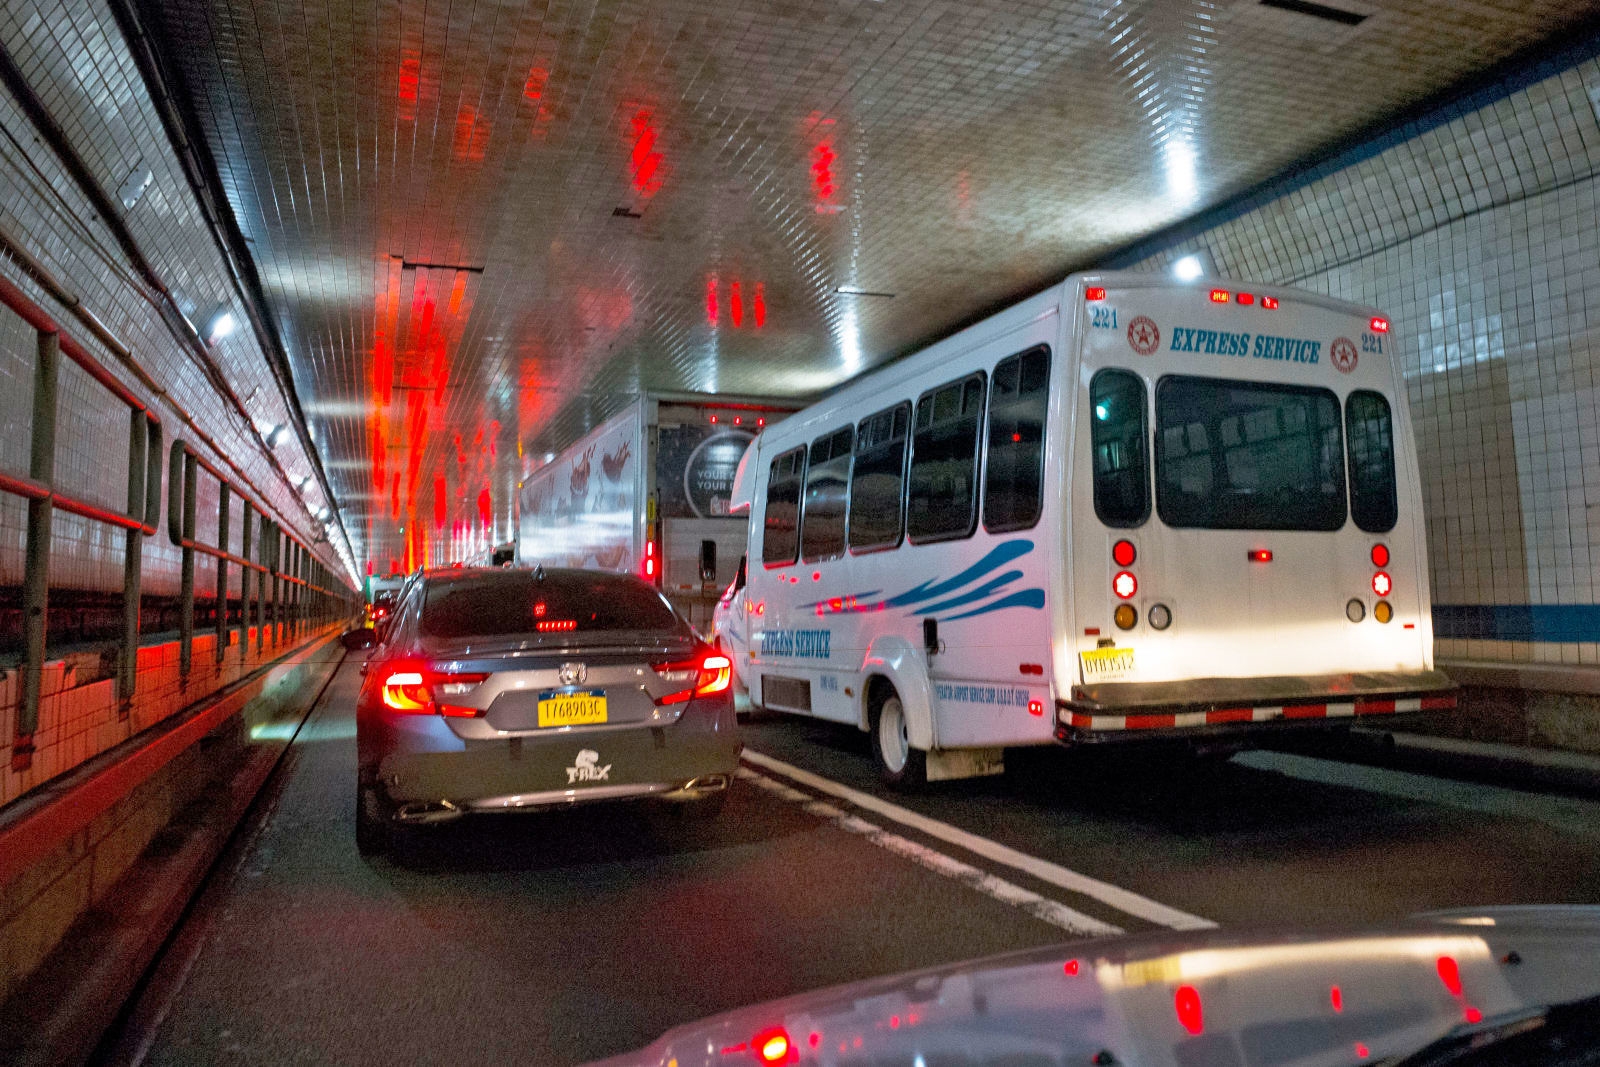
(1126, 508)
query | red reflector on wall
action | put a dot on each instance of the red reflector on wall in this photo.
(1220, 296)
(1246, 298)
(1260, 555)
(1380, 325)
(1094, 292)
(1269, 302)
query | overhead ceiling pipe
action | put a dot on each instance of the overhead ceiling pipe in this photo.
(176, 321)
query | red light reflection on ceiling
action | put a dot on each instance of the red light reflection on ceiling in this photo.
(822, 159)
(735, 303)
(759, 305)
(533, 88)
(441, 503)
(485, 508)
(410, 82)
(756, 305)
(472, 135)
(1450, 975)
(711, 299)
(646, 161)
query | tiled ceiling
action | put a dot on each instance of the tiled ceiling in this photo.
(481, 225)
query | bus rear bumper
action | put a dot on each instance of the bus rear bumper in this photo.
(1220, 708)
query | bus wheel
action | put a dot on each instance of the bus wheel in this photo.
(900, 765)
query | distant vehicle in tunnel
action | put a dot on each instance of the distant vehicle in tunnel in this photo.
(498, 690)
(1126, 508)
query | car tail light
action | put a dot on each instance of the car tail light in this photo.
(1124, 553)
(709, 676)
(412, 690)
(1380, 556)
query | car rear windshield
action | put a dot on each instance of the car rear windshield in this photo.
(1236, 455)
(524, 602)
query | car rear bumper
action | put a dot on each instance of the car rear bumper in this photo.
(1230, 707)
(426, 782)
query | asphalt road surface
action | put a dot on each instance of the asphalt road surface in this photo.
(557, 939)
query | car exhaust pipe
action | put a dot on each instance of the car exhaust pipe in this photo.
(428, 811)
(707, 783)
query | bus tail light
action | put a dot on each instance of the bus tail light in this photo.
(1382, 611)
(1125, 616)
(1035, 707)
(710, 676)
(1124, 553)
(1380, 556)
(1382, 584)
(650, 559)
(1124, 585)
(1160, 617)
(1355, 611)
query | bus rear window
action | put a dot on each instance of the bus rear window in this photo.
(1121, 460)
(1369, 429)
(1236, 455)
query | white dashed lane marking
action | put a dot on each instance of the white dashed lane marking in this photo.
(1123, 900)
(1006, 892)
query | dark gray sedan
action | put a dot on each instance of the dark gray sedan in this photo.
(506, 690)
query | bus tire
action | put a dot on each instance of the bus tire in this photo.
(899, 765)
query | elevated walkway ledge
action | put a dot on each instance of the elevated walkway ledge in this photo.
(98, 865)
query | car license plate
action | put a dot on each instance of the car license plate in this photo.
(572, 709)
(1104, 664)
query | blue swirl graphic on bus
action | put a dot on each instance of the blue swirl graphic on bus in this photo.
(977, 585)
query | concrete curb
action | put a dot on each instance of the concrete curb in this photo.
(1521, 767)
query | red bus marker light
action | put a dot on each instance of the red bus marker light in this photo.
(1380, 325)
(1260, 555)
(1094, 292)
(1245, 298)
(1269, 302)
(1220, 296)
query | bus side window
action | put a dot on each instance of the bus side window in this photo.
(827, 482)
(1369, 434)
(942, 491)
(877, 482)
(1013, 474)
(1120, 453)
(780, 536)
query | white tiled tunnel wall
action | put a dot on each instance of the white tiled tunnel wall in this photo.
(74, 57)
(1480, 238)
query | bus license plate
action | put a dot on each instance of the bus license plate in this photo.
(572, 709)
(1105, 664)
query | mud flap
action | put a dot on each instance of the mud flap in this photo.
(945, 764)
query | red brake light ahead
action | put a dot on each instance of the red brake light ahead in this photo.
(1381, 584)
(1261, 555)
(1124, 584)
(1380, 556)
(1124, 553)
(712, 675)
(772, 1046)
(412, 690)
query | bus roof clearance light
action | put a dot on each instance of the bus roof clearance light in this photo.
(1245, 298)
(1220, 296)
(1380, 324)
(1094, 292)
(1381, 583)
(1124, 584)
(1269, 302)
(1187, 268)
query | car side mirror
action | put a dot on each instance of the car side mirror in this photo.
(357, 639)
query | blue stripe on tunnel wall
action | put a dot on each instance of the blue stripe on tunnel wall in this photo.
(1518, 622)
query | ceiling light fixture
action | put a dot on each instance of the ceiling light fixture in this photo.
(275, 436)
(1188, 268)
(220, 324)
